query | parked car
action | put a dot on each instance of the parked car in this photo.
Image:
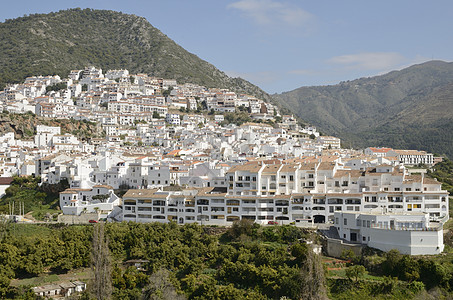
(92, 221)
(272, 223)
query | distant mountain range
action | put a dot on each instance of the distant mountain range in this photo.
(55, 43)
(409, 109)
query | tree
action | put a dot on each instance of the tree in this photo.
(313, 279)
(56, 87)
(355, 272)
(160, 287)
(101, 264)
(101, 197)
(167, 92)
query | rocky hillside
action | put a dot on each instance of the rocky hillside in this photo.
(411, 108)
(24, 126)
(58, 42)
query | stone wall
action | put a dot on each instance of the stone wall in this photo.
(336, 247)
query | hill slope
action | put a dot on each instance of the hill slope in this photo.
(56, 43)
(411, 108)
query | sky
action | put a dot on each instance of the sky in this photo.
(283, 45)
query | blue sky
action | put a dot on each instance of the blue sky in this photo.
(283, 45)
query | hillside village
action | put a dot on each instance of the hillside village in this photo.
(177, 155)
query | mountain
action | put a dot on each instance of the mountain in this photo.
(55, 43)
(411, 108)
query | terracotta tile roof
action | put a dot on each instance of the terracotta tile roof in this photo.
(103, 186)
(144, 193)
(6, 180)
(250, 167)
(271, 169)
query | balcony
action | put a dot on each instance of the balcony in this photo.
(281, 203)
(335, 201)
(233, 202)
(202, 202)
(353, 201)
(414, 200)
(319, 201)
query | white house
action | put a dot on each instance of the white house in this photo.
(99, 198)
(408, 232)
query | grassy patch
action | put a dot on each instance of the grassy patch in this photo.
(84, 275)
(30, 230)
(39, 212)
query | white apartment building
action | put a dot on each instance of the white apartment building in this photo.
(409, 232)
(329, 142)
(173, 119)
(295, 192)
(379, 152)
(412, 157)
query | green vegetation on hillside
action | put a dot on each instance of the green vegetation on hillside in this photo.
(58, 42)
(39, 199)
(443, 172)
(246, 261)
(201, 262)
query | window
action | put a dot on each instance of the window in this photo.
(345, 221)
(337, 183)
(310, 175)
(231, 178)
(273, 177)
(247, 178)
(283, 177)
(397, 189)
(240, 178)
(291, 178)
(408, 189)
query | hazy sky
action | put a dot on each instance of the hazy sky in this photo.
(283, 45)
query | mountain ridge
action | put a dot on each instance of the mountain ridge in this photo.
(364, 112)
(55, 43)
